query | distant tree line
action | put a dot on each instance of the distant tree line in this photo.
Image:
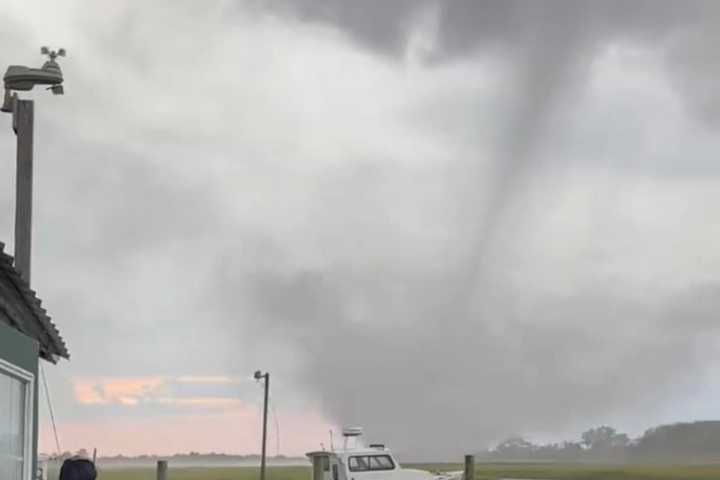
(697, 441)
(191, 456)
(678, 442)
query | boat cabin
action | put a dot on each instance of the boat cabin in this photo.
(355, 461)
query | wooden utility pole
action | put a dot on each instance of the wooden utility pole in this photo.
(264, 376)
(264, 436)
(22, 115)
(162, 466)
(469, 473)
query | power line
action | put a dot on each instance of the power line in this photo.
(277, 428)
(50, 408)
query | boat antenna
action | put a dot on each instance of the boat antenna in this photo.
(322, 446)
(332, 446)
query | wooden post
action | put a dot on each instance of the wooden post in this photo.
(162, 469)
(23, 126)
(469, 467)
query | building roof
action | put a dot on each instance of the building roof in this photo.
(35, 323)
(349, 451)
(317, 453)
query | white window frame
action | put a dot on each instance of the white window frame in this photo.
(28, 379)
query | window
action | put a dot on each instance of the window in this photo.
(15, 422)
(335, 471)
(358, 464)
(381, 462)
(364, 463)
(325, 464)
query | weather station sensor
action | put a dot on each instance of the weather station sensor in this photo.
(22, 78)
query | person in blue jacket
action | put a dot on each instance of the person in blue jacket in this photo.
(78, 468)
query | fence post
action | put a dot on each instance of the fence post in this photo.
(162, 470)
(469, 467)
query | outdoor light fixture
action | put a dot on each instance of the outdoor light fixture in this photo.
(19, 78)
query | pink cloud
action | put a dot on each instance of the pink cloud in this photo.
(236, 431)
(131, 392)
(204, 423)
(122, 391)
(219, 402)
(205, 379)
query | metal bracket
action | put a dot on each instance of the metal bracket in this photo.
(9, 102)
(13, 109)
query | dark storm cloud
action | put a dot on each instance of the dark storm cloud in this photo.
(514, 25)
(549, 47)
(132, 209)
(221, 202)
(417, 372)
(694, 64)
(464, 354)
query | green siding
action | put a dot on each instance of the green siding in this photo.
(18, 348)
(23, 351)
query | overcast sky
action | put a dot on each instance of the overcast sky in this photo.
(448, 222)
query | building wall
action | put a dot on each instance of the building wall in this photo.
(22, 351)
(17, 348)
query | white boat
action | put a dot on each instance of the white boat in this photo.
(355, 461)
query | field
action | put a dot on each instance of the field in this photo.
(559, 471)
(484, 471)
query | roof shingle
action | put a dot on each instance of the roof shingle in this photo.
(52, 345)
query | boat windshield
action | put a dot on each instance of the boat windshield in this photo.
(364, 463)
